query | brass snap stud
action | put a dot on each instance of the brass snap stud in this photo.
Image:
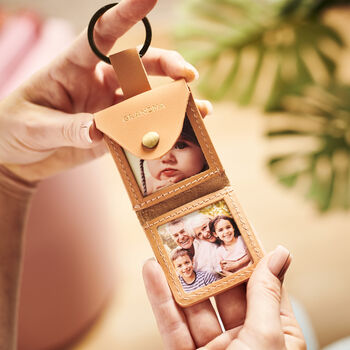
(151, 139)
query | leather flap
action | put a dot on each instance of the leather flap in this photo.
(161, 110)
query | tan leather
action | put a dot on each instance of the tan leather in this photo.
(162, 110)
(254, 248)
(130, 72)
(211, 184)
(169, 197)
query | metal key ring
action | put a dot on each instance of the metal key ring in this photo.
(91, 26)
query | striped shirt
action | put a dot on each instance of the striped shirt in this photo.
(202, 279)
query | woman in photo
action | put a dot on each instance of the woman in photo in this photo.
(184, 160)
(200, 226)
(232, 255)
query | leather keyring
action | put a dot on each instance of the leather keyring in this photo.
(177, 187)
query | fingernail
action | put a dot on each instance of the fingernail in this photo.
(85, 131)
(209, 107)
(192, 73)
(279, 262)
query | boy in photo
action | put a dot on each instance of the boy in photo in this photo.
(190, 279)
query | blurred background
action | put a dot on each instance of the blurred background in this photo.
(278, 74)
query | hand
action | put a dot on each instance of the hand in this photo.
(234, 265)
(47, 124)
(259, 317)
(227, 265)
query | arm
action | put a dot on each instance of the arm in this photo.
(15, 195)
(46, 126)
(235, 265)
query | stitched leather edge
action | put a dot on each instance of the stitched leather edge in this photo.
(218, 286)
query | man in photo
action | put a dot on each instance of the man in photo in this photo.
(189, 278)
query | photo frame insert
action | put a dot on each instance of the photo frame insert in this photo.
(214, 167)
(154, 233)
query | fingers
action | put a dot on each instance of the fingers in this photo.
(289, 323)
(162, 63)
(62, 159)
(170, 319)
(158, 62)
(111, 25)
(78, 131)
(49, 129)
(205, 107)
(232, 306)
(223, 341)
(168, 63)
(203, 323)
(264, 299)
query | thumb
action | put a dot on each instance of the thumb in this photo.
(78, 130)
(264, 293)
(55, 129)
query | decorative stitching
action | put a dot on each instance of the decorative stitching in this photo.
(206, 289)
(244, 225)
(213, 158)
(164, 260)
(137, 206)
(186, 208)
(220, 283)
(112, 144)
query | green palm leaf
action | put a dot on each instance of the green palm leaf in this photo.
(282, 30)
(326, 167)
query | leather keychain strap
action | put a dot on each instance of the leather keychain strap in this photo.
(130, 72)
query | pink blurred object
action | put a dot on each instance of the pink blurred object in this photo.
(69, 265)
(18, 35)
(56, 35)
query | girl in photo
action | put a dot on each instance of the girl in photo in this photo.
(184, 160)
(232, 255)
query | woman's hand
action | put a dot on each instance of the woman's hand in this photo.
(259, 317)
(47, 124)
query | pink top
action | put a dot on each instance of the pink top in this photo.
(238, 252)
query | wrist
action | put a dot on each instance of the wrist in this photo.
(14, 186)
(15, 194)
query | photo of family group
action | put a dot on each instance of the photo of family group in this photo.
(204, 246)
(184, 160)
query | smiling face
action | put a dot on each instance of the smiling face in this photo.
(225, 231)
(203, 232)
(180, 236)
(185, 159)
(184, 267)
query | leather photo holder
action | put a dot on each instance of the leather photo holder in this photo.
(163, 110)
